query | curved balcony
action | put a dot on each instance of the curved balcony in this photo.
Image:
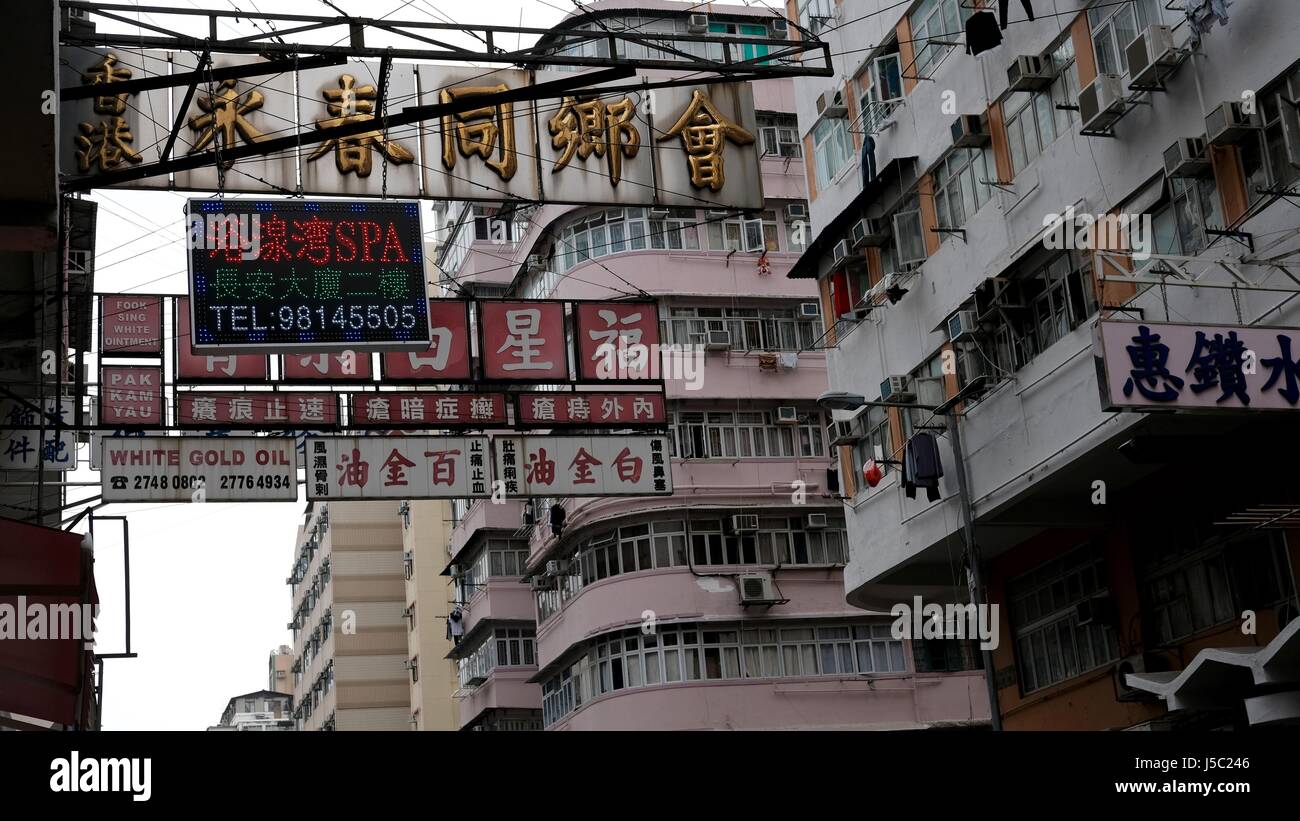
(503, 598)
(506, 688)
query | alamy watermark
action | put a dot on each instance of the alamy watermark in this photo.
(234, 233)
(946, 621)
(1134, 233)
(627, 361)
(41, 620)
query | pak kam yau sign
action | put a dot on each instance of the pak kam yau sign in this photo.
(1148, 366)
(685, 146)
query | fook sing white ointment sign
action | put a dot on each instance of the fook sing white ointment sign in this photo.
(200, 469)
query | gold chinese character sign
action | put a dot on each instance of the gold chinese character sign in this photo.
(105, 145)
(224, 117)
(595, 127)
(704, 132)
(350, 103)
(484, 131)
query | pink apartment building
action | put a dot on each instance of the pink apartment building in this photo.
(722, 606)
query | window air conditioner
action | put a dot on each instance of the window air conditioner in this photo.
(787, 415)
(896, 389)
(1101, 102)
(796, 210)
(1186, 158)
(843, 252)
(969, 131)
(844, 432)
(809, 310)
(832, 106)
(539, 584)
(1227, 124)
(557, 567)
(1029, 73)
(869, 232)
(1150, 52)
(658, 213)
(717, 341)
(963, 325)
(815, 521)
(744, 523)
(697, 23)
(756, 588)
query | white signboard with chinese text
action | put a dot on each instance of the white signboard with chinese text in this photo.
(583, 465)
(199, 469)
(397, 467)
(21, 449)
(1168, 365)
(112, 132)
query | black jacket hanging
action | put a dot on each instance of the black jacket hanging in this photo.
(922, 466)
(1002, 10)
(982, 33)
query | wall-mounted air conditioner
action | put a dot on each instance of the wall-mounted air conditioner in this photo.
(809, 310)
(844, 432)
(455, 571)
(557, 567)
(830, 104)
(1029, 72)
(539, 584)
(963, 325)
(796, 210)
(896, 389)
(869, 232)
(787, 415)
(815, 521)
(1149, 55)
(1227, 124)
(697, 23)
(717, 341)
(1101, 102)
(744, 523)
(1186, 158)
(658, 213)
(756, 588)
(969, 131)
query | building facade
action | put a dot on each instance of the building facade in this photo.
(631, 615)
(279, 670)
(937, 180)
(426, 526)
(258, 711)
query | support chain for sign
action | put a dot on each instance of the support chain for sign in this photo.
(388, 92)
(216, 140)
(298, 130)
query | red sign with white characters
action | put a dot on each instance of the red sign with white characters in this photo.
(130, 396)
(428, 410)
(326, 367)
(130, 325)
(523, 341)
(193, 367)
(448, 356)
(616, 340)
(260, 409)
(590, 409)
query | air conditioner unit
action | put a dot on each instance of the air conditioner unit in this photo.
(717, 341)
(557, 567)
(843, 252)
(1101, 102)
(968, 131)
(1094, 610)
(1186, 158)
(796, 210)
(832, 106)
(815, 521)
(408, 563)
(869, 232)
(540, 584)
(697, 23)
(963, 325)
(455, 571)
(809, 310)
(896, 389)
(1227, 124)
(658, 213)
(744, 523)
(787, 415)
(756, 588)
(1029, 73)
(719, 212)
(1150, 52)
(780, 28)
(844, 432)
(1139, 663)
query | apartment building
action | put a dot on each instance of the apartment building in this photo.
(1137, 589)
(426, 527)
(279, 670)
(631, 615)
(351, 663)
(258, 711)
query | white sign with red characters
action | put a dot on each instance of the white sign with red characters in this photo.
(397, 467)
(199, 469)
(583, 465)
(523, 341)
(130, 395)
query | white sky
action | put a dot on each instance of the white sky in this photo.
(209, 601)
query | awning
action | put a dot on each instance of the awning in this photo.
(895, 178)
(1265, 679)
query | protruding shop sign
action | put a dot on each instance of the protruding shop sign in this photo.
(583, 465)
(589, 409)
(256, 409)
(131, 396)
(427, 410)
(130, 325)
(397, 467)
(1146, 366)
(199, 469)
(311, 276)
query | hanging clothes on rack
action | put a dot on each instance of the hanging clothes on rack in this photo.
(1002, 10)
(982, 33)
(456, 625)
(922, 466)
(1201, 15)
(868, 158)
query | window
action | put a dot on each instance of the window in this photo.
(1193, 580)
(876, 443)
(744, 435)
(780, 135)
(740, 234)
(497, 558)
(1051, 645)
(505, 647)
(937, 26)
(816, 15)
(1033, 120)
(958, 191)
(752, 329)
(1265, 158)
(1114, 25)
(1179, 225)
(1057, 296)
(946, 655)
(909, 237)
(719, 651)
(617, 230)
(832, 149)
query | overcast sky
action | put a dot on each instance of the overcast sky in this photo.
(209, 601)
